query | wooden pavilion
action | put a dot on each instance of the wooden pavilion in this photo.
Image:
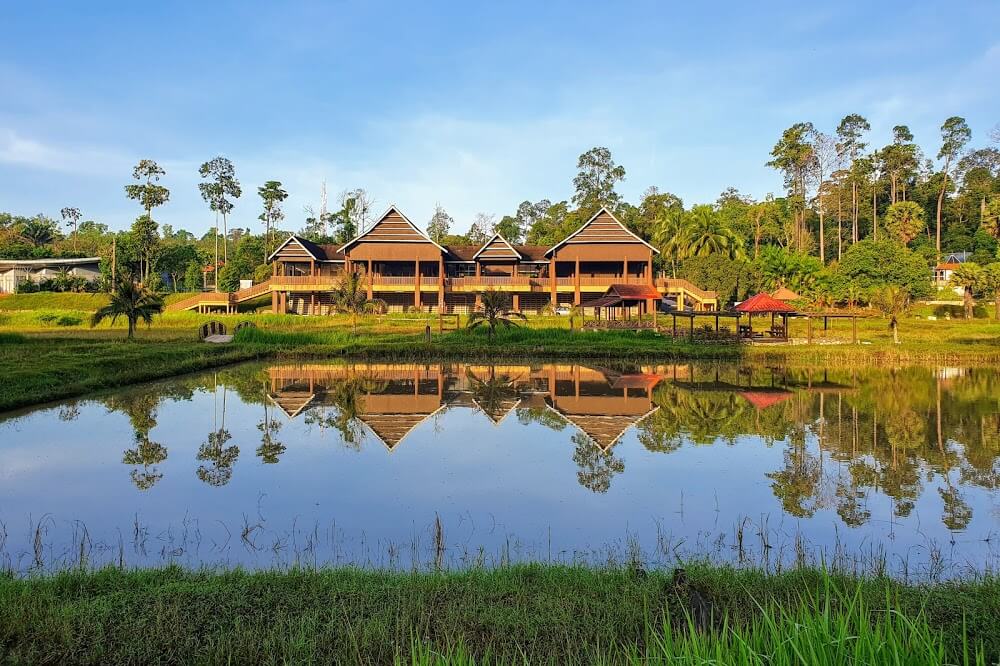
(765, 304)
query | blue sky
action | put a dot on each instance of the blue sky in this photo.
(475, 106)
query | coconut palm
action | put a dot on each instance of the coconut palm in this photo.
(893, 302)
(970, 278)
(669, 236)
(706, 234)
(38, 231)
(351, 295)
(132, 301)
(494, 312)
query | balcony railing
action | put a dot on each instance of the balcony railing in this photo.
(487, 281)
(306, 280)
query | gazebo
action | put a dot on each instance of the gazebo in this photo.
(763, 304)
(622, 298)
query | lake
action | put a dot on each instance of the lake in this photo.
(454, 464)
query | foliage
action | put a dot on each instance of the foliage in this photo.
(971, 279)
(271, 196)
(904, 220)
(870, 265)
(131, 301)
(733, 279)
(594, 183)
(778, 268)
(439, 224)
(893, 302)
(495, 311)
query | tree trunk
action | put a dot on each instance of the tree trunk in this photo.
(874, 212)
(895, 331)
(967, 297)
(840, 230)
(940, 204)
(225, 240)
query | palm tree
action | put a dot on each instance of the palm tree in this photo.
(132, 301)
(38, 232)
(969, 277)
(705, 234)
(893, 302)
(670, 237)
(351, 295)
(494, 312)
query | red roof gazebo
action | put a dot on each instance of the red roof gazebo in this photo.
(765, 304)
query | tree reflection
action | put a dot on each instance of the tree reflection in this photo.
(493, 395)
(215, 451)
(270, 448)
(596, 468)
(146, 454)
(346, 399)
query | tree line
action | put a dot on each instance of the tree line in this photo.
(853, 218)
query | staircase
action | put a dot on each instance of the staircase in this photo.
(707, 300)
(221, 299)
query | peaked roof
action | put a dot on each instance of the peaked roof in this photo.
(498, 252)
(785, 294)
(605, 230)
(762, 399)
(763, 303)
(604, 430)
(634, 291)
(393, 227)
(314, 250)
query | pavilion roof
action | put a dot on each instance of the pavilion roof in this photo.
(763, 303)
(762, 399)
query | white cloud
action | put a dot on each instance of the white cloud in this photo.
(24, 151)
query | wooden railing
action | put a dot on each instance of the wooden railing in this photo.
(253, 291)
(680, 284)
(305, 280)
(487, 281)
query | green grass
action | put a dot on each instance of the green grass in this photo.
(38, 370)
(66, 357)
(530, 613)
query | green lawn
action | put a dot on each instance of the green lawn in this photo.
(48, 353)
(531, 613)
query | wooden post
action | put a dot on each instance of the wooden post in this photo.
(427, 334)
(517, 302)
(416, 283)
(371, 281)
(809, 330)
(552, 279)
(576, 283)
(674, 315)
(854, 329)
(441, 285)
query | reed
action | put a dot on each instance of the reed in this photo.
(527, 613)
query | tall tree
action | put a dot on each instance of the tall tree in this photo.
(147, 192)
(900, 160)
(850, 131)
(358, 204)
(955, 133)
(825, 160)
(705, 235)
(795, 156)
(479, 231)
(440, 224)
(271, 195)
(145, 238)
(72, 217)
(597, 175)
(904, 221)
(222, 185)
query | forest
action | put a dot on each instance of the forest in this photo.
(858, 213)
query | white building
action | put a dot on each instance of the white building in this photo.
(944, 270)
(15, 271)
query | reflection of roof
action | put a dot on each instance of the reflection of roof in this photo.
(605, 429)
(785, 294)
(393, 428)
(762, 399)
(644, 381)
(763, 303)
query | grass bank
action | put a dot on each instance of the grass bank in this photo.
(47, 354)
(524, 614)
(36, 370)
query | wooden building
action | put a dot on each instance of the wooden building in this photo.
(406, 269)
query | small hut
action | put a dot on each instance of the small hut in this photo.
(620, 299)
(764, 304)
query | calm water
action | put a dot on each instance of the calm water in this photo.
(406, 465)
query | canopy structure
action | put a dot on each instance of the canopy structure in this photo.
(624, 297)
(765, 304)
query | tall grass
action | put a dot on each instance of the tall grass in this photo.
(523, 614)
